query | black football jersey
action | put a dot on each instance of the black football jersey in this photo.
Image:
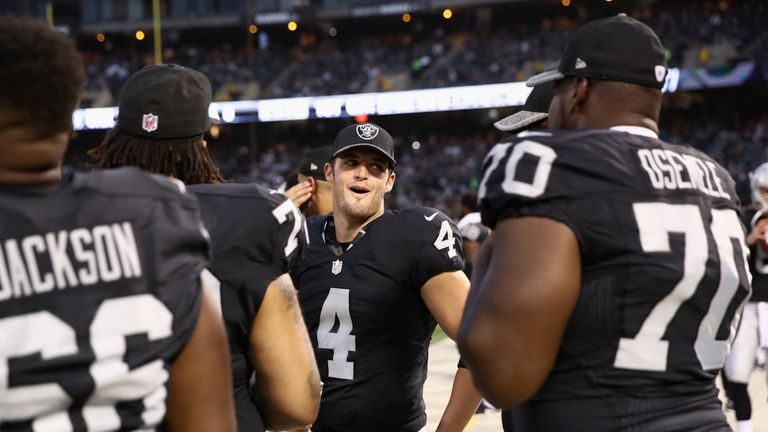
(664, 273)
(254, 234)
(99, 291)
(367, 321)
(758, 262)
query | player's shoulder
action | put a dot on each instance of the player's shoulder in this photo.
(417, 218)
(243, 193)
(412, 228)
(131, 182)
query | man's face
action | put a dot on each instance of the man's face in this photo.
(360, 178)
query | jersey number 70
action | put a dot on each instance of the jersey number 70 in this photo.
(655, 221)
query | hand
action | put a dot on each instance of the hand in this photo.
(758, 232)
(300, 193)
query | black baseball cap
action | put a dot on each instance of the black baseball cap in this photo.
(534, 111)
(619, 48)
(165, 101)
(364, 135)
(313, 162)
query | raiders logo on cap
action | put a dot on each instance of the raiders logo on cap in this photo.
(367, 131)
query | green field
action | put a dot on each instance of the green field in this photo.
(438, 335)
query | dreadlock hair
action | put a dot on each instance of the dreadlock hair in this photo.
(185, 159)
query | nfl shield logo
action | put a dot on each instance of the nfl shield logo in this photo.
(661, 73)
(367, 131)
(336, 267)
(149, 122)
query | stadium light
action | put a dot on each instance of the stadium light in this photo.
(292, 26)
(252, 29)
(406, 17)
(139, 35)
(484, 96)
(447, 13)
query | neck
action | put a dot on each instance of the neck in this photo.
(347, 228)
(605, 121)
(31, 161)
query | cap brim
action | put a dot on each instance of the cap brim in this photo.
(347, 147)
(519, 121)
(544, 77)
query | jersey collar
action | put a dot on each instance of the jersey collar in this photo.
(636, 130)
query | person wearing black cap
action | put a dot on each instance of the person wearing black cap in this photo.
(254, 234)
(102, 322)
(372, 285)
(533, 113)
(312, 194)
(607, 296)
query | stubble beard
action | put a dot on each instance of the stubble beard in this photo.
(358, 210)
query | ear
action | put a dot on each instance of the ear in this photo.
(580, 94)
(328, 170)
(312, 184)
(390, 182)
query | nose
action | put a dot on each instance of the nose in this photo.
(361, 172)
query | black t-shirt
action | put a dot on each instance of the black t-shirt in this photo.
(663, 262)
(254, 234)
(367, 321)
(99, 291)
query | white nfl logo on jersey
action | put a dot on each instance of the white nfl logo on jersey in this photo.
(149, 122)
(367, 131)
(661, 72)
(336, 267)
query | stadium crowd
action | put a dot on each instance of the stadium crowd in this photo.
(707, 34)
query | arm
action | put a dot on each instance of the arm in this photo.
(524, 290)
(462, 404)
(196, 404)
(445, 296)
(287, 379)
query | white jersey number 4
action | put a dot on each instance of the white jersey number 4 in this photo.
(342, 341)
(446, 240)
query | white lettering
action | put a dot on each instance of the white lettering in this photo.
(5, 283)
(79, 238)
(668, 170)
(126, 247)
(109, 266)
(673, 158)
(57, 248)
(718, 182)
(19, 278)
(30, 245)
(661, 161)
(654, 173)
(103, 253)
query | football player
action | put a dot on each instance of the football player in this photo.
(605, 298)
(102, 322)
(255, 233)
(753, 330)
(372, 286)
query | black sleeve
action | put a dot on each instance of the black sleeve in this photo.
(439, 249)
